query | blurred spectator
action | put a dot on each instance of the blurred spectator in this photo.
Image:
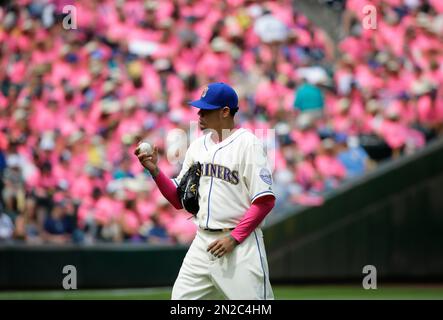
(328, 166)
(6, 226)
(269, 28)
(14, 186)
(124, 169)
(157, 232)
(3, 163)
(111, 231)
(28, 227)
(130, 222)
(305, 135)
(309, 100)
(351, 155)
(334, 4)
(58, 226)
(307, 174)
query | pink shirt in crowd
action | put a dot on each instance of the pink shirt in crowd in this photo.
(329, 167)
(307, 176)
(306, 141)
(131, 221)
(394, 133)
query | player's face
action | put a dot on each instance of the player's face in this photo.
(209, 119)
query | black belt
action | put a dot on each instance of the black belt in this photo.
(217, 230)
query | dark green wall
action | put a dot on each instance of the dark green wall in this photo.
(29, 267)
(392, 219)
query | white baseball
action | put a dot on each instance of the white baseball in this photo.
(145, 147)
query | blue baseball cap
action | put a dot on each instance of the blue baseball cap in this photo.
(215, 96)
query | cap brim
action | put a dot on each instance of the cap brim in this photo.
(203, 105)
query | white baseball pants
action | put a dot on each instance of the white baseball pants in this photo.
(240, 275)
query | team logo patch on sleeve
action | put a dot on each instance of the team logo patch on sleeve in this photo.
(266, 176)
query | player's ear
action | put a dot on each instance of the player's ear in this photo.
(225, 112)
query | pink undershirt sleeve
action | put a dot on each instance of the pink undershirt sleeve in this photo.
(168, 190)
(253, 217)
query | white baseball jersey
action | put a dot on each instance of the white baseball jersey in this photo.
(235, 172)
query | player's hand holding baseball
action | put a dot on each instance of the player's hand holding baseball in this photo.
(222, 246)
(148, 161)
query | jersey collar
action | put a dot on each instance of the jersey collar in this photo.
(227, 140)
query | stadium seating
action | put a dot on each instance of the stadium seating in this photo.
(76, 98)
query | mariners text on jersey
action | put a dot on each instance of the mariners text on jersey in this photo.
(220, 172)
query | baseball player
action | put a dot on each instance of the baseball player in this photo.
(227, 257)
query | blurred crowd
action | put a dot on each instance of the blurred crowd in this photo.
(79, 89)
